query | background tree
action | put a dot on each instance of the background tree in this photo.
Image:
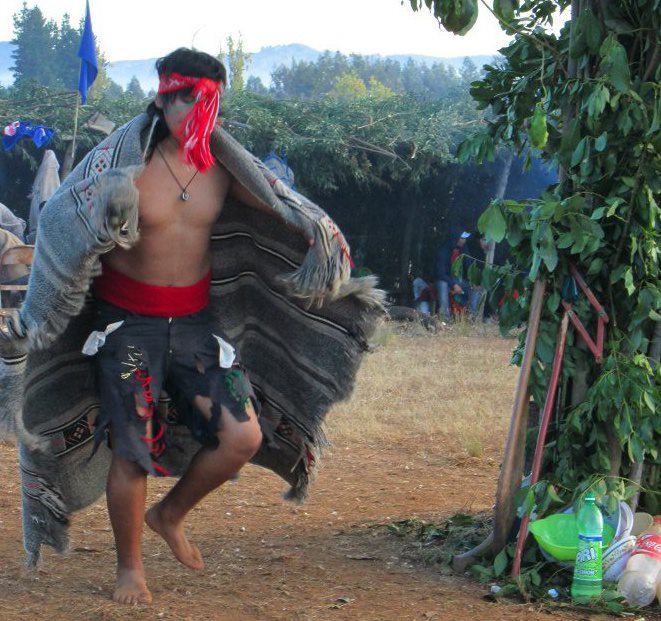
(66, 64)
(34, 38)
(48, 54)
(348, 86)
(236, 61)
(133, 89)
(103, 85)
(312, 80)
(255, 85)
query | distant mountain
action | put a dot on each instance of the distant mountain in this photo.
(261, 65)
(123, 71)
(453, 61)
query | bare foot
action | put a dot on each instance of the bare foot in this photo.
(131, 587)
(185, 551)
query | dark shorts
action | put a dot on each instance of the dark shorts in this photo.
(145, 356)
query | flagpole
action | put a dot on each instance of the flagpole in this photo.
(75, 129)
(87, 75)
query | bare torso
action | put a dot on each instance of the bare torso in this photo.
(173, 250)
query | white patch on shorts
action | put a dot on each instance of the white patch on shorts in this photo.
(226, 355)
(97, 339)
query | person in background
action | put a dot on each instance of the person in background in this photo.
(46, 182)
(12, 274)
(476, 253)
(424, 295)
(10, 222)
(446, 283)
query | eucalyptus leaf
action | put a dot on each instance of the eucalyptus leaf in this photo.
(601, 142)
(615, 63)
(593, 32)
(577, 155)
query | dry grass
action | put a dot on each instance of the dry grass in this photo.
(456, 386)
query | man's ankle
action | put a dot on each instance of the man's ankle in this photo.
(132, 565)
(164, 513)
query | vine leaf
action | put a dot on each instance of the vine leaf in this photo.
(500, 563)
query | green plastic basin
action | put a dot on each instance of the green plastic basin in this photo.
(557, 535)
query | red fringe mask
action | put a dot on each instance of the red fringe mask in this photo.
(200, 120)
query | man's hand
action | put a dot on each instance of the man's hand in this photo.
(456, 289)
(115, 211)
(13, 336)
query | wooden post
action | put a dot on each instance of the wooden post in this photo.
(511, 470)
(512, 466)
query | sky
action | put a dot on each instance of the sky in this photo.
(137, 29)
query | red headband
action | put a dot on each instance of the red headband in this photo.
(200, 120)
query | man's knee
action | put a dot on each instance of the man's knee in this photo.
(243, 437)
(125, 468)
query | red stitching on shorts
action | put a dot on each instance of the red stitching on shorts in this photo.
(147, 395)
(156, 447)
(162, 471)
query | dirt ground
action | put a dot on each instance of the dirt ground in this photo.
(270, 560)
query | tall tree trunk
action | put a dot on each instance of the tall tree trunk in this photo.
(501, 187)
(579, 382)
(572, 70)
(654, 356)
(420, 240)
(407, 242)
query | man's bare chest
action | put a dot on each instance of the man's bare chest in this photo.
(172, 197)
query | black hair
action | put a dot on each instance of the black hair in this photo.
(192, 63)
(189, 63)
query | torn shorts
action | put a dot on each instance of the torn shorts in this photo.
(139, 356)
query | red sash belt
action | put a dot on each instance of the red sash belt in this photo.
(139, 297)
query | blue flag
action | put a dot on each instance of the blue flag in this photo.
(87, 55)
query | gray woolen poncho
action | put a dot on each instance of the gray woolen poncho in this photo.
(300, 322)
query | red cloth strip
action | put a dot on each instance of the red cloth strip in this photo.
(200, 120)
(139, 297)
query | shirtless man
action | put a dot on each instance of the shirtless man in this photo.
(159, 289)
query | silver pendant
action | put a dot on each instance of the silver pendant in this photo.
(185, 196)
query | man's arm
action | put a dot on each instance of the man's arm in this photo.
(238, 192)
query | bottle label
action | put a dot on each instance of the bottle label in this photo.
(649, 545)
(588, 559)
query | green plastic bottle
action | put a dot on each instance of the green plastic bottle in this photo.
(587, 570)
